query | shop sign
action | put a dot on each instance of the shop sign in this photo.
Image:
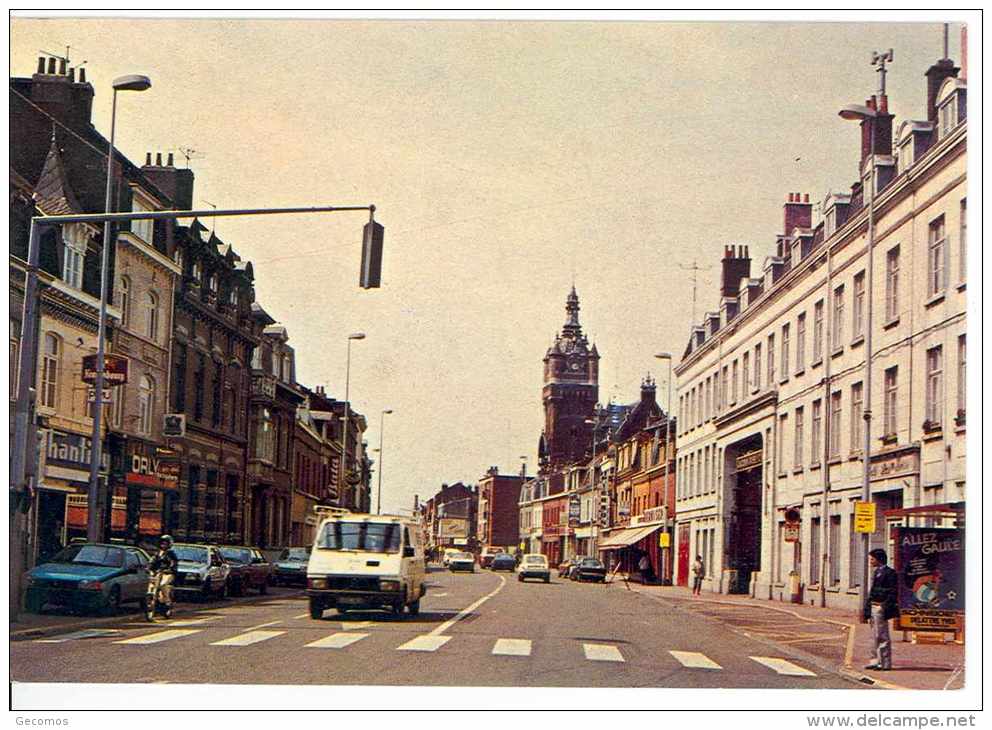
(790, 532)
(864, 517)
(750, 460)
(574, 510)
(893, 465)
(453, 527)
(72, 451)
(114, 369)
(653, 514)
(155, 471)
(664, 539)
(930, 565)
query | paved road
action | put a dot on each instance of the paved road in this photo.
(481, 629)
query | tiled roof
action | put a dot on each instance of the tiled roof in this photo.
(52, 194)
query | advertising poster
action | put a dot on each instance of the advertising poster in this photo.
(930, 564)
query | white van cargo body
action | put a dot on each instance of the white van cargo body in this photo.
(361, 562)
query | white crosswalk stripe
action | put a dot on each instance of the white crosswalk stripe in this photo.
(694, 660)
(512, 647)
(160, 636)
(336, 641)
(426, 642)
(602, 653)
(781, 666)
(84, 634)
(246, 639)
(347, 625)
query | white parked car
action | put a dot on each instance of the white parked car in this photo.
(534, 565)
(201, 570)
(462, 561)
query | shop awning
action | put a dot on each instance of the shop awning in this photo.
(628, 536)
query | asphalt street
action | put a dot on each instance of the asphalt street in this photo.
(482, 629)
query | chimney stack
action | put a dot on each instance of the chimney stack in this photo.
(736, 265)
(883, 129)
(936, 75)
(177, 184)
(798, 213)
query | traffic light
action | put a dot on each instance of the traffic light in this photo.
(371, 273)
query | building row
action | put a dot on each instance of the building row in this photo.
(211, 438)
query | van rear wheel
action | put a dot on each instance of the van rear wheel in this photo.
(414, 607)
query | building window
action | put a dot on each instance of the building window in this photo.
(74, 241)
(709, 399)
(50, 366)
(816, 429)
(856, 557)
(935, 387)
(833, 537)
(125, 302)
(745, 373)
(937, 258)
(198, 386)
(15, 354)
(734, 382)
(232, 297)
(962, 376)
(771, 361)
(892, 284)
(117, 406)
(146, 404)
(212, 283)
(797, 458)
(947, 116)
(785, 351)
(265, 438)
(179, 378)
(835, 413)
(723, 388)
(177, 256)
(780, 446)
(196, 271)
(891, 401)
(151, 316)
(818, 331)
(859, 305)
(143, 229)
(963, 241)
(857, 399)
(757, 366)
(837, 335)
(216, 413)
(814, 550)
(801, 343)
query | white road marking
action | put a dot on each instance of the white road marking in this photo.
(467, 610)
(602, 653)
(425, 642)
(345, 625)
(160, 636)
(248, 638)
(512, 647)
(336, 641)
(303, 615)
(84, 634)
(694, 660)
(262, 626)
(438, 595)
(191, 621)
(783, 667)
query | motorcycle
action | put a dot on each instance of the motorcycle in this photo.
(153, 598)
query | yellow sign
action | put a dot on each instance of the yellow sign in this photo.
(664, 540)
(864, 517)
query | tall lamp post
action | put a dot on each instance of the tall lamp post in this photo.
(382, 423)
(594, 422)
(347, 412)
(668, 457)
(94, 523)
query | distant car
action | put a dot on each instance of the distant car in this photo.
(565, 568)
(461, 561)
(448, 552)
(89, 576)
(249, 569)
(486, 559)
(291, 567)
(589, 569)
(534, 565)
(503, 562)
(201, 570)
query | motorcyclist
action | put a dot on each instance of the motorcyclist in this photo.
(165, 562)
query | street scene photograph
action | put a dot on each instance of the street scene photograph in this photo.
(512, 361)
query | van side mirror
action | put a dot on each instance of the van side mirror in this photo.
(408, 551)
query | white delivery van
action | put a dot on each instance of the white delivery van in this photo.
(361, 562)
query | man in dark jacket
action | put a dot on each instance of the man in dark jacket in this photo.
(880, 606)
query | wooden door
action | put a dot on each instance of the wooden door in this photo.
(683, 575)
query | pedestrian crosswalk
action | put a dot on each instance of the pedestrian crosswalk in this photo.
(600, 652)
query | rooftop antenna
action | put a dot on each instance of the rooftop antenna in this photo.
(213, 219)
(880, 59)
(190, 154)
(694, 268)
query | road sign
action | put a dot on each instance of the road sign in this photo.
(114, 370)
(864, 517)
(790, 532)
(91, 395)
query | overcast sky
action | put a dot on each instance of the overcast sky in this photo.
(506, 160)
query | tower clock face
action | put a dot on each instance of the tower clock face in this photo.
(574, 365)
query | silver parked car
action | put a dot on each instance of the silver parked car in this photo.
(201, 570)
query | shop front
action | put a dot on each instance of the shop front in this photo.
(625, 547)
(146, 484)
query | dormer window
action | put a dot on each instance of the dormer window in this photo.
(197, 272)
(947, 118)
(232, 297)
(906, 155)
(143, 229)
(951, 109)
(212, 283)
(74, 238)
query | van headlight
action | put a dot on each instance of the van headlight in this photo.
(389, 585)
(317, 582)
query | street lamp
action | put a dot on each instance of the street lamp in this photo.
(344, 439)
(668, 455)
(94, 525)
(382, 423)
(857, 112)
(594, 422)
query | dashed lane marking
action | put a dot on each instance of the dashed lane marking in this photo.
(782, 666)
(262, 626)
(602, 653)
(694, 660)
(425, 642)
(302, 615)
(345, 625)
(512, 647)
(84, 634)
(336, 641)
(248, 638)
(160, 636)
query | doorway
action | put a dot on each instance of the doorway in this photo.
(683, 579)
(744, 524)
(51, 523)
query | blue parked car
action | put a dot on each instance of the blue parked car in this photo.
(89, 576)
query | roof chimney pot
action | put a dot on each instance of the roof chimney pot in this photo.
(148, 159)
(41, 64)
(51, 66)
(170, 163)
(158, 159)
(82, 75)
(62, 63)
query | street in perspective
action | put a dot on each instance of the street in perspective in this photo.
(410, 353)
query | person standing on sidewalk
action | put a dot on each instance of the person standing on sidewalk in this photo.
(644, 565)
(698, 571)
(880, 606)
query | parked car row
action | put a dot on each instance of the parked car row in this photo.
(96, 576)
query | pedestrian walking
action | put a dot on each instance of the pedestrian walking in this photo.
(644, 566)
(880, 606)
(698, 571)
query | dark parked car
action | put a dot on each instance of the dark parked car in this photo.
(589, 569)
(249, 569)
(291, 567)
(89, 576)
(503, 562)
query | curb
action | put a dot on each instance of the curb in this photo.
(40, 631)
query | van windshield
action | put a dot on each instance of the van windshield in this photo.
(369, 537)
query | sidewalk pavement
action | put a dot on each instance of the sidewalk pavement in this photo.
(915, 666)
